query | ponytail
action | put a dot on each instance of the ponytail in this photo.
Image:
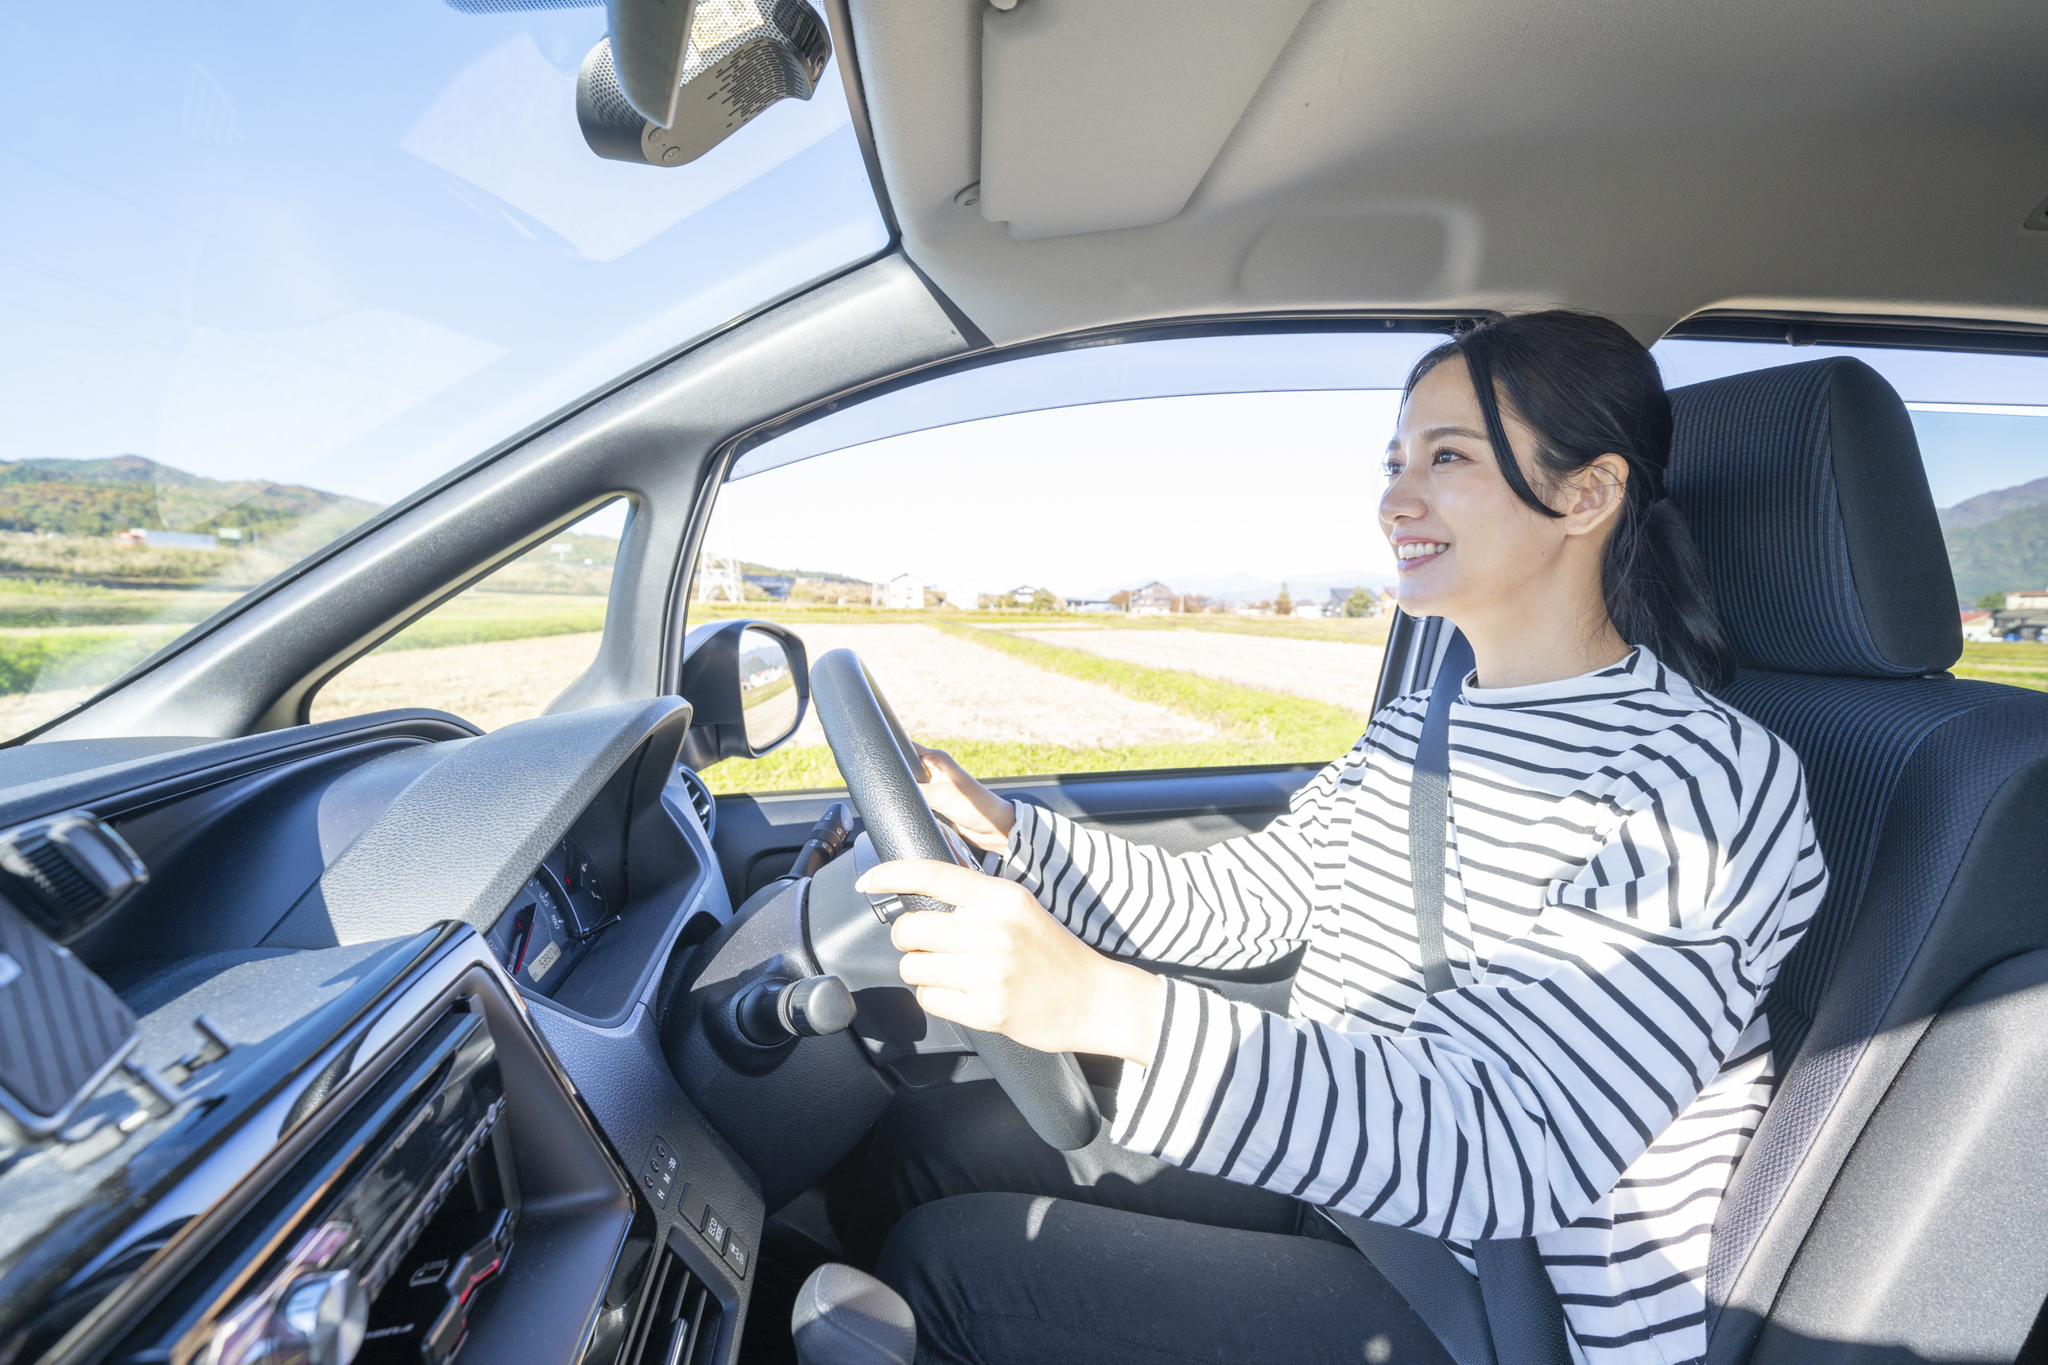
(1587, 388)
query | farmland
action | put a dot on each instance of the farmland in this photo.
(1009, 706)
(1009, 693)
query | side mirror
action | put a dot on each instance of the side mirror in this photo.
(748, 684)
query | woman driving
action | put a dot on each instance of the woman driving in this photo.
(1529, 1006)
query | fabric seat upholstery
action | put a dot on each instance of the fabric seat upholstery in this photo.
(1805, 490)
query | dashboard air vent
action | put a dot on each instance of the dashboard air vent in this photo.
(700, 798)
(679, 1321)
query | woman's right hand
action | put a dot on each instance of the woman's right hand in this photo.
(982, 818)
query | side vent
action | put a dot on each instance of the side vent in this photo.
(679, 1321)
(700, 798)
(67, 871)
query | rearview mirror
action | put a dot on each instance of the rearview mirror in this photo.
(748, 684)
(646, 95)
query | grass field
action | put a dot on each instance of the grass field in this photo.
(2016, 665)
(1255, 726)
(479, 617)
(65, 601)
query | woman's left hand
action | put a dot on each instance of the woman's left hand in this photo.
(1001, 964)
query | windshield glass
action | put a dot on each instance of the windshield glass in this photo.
(267, 268)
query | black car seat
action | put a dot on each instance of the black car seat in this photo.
(1893, 1204)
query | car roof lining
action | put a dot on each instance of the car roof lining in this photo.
(1842, 157)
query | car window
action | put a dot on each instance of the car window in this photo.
(1153, 556)
(304, 258)
(1982, 424)
(1162, 554)
(502, 649)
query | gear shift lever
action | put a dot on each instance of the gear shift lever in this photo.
(845, 1316)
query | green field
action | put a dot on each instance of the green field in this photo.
(2016, 665)
(61, 634)
(1258, 727)
(478, 617)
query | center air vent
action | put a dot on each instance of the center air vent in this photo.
(679, 1322)
(700, 798)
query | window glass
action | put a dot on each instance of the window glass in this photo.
(1982, 424)
(302, 257)
(1160, 555)
(501, 650)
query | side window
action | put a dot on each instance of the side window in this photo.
(1982, 424)
(501, 650)
(1180, 581)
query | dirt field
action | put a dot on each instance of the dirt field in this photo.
(940, 686)
(490, 685)
(1342, 674)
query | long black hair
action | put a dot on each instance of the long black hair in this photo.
(1587, 388)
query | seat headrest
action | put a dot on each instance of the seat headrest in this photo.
(1804, 488)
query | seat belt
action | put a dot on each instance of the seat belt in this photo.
(1510, 1315)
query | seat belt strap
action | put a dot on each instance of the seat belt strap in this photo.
(1429, 799)
(1511, 1315)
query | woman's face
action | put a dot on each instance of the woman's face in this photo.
(1467, 548)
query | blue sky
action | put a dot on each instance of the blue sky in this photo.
(352, 243)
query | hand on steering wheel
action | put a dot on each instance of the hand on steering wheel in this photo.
(1001, 964)
(977, 814)
(882, 769)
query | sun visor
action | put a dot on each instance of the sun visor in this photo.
(1102, 116)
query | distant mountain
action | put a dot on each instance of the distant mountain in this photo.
(100, 497)
(1991, 506)
(1993, 556)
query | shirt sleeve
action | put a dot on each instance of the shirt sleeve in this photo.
(1240, 903)
(1509, 1106)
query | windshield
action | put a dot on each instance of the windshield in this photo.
(267, 268)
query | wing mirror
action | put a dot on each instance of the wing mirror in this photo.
(674, 79)
(748, 684)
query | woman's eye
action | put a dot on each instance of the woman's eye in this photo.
(1391, 468)
(1445, 457)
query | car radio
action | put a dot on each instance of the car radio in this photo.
(380, 1241)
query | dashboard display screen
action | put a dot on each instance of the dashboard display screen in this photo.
(552, 920)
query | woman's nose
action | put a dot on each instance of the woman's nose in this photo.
(1401, 501)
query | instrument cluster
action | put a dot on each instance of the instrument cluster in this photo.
(553, 920)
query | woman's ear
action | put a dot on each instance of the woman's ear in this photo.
(1598, 491)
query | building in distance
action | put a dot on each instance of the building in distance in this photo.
(904, 592)
(1154, 599)
(139, 536)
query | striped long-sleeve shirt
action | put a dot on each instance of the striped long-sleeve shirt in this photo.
(1628, 861)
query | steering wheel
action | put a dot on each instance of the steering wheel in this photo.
(883, 773)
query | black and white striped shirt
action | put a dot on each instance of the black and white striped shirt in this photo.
(1629, 860)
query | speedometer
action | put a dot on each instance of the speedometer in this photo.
(552, 920)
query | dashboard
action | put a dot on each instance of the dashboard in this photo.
(369, 1064)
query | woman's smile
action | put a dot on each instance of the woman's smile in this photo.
(1413, 554)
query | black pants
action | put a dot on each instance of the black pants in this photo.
(1009, 1251)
